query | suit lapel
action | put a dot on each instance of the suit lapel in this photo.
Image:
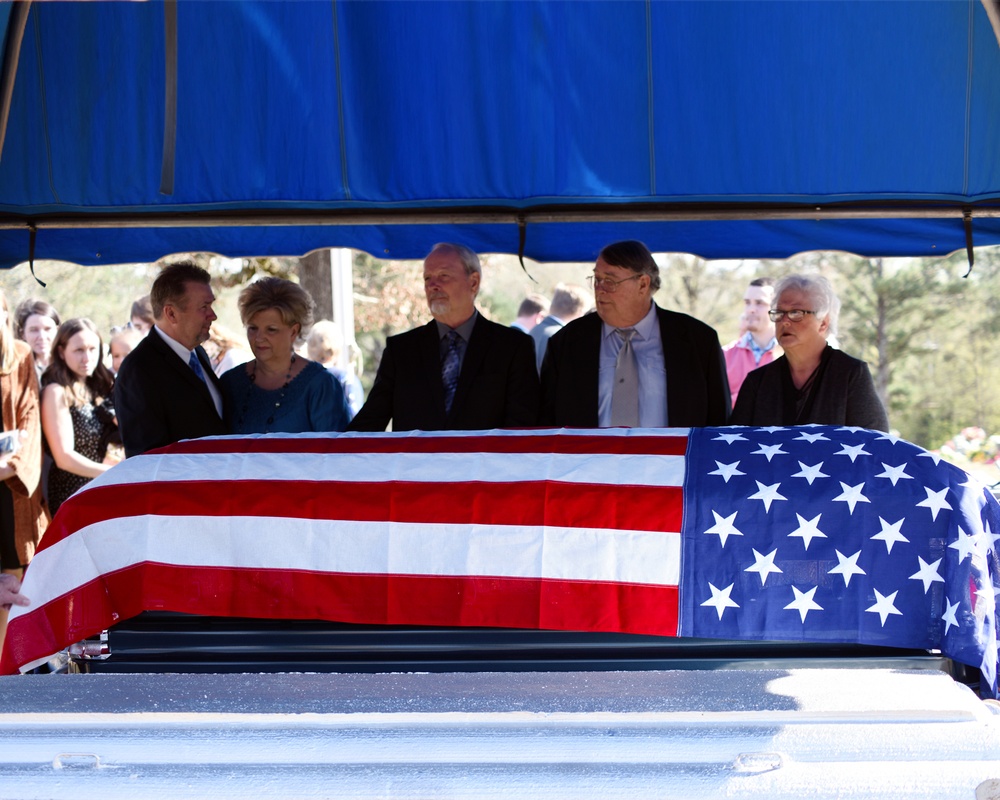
(588, 367)
(675, 352)
(184, 371)
(206, 365)
(475, 353)
(430, 368)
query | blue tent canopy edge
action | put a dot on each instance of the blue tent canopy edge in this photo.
(727, 130)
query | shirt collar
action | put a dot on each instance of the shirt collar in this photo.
(645, 328)
(182, 352)
(758, 351)
(464, 330)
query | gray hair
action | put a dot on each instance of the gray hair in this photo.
(818, 289)
(467, 256)
(635, 256)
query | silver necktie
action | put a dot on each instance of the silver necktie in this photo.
(625, 392)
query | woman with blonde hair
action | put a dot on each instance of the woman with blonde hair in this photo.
(77, 417)
(279, 391)
(22, 513)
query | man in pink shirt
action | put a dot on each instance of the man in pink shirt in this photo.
(757, 346)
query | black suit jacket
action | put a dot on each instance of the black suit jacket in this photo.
(697, 387)
(497, 388)
(159, 400)
(843, 394)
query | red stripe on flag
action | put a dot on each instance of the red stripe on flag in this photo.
(640, 508)
(362, 599)
(563, 444)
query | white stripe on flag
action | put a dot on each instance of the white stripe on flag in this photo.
(604, 468)
(391, 548)
(611, 433)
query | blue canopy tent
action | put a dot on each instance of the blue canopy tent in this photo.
(726, 129)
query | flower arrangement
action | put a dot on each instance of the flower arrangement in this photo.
(971, 446)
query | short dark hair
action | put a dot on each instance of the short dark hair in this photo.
(568, 301)
(532, 304)
(635, 256)
(142, 309)
(32, 308)
(765, 281)
(170, 285)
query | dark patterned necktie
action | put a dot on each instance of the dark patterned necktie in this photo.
(451, 365)
(625, 392)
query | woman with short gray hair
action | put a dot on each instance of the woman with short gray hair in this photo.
(812, 383)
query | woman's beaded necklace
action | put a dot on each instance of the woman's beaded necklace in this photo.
(277, 403)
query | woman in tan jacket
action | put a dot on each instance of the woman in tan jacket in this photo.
(23, 516)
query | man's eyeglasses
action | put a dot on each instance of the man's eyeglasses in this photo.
(794, 315)
(609, 285)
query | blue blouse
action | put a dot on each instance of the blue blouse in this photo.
(314, 401)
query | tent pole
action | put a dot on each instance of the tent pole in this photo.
(482, 217)
(12, 53)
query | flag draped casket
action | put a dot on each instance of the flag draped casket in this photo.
(815, 533)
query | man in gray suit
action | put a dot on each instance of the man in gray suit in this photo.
(569, 302)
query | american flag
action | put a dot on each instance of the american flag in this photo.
(840, 535)
(718, 532)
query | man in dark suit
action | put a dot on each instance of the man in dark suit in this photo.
(632, 363)
(458, 372)
(166, 389)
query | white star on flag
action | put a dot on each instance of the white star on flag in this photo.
(769, 450)
(772, 429)
(764, 565)
(928, 573)
(935, 501)
(720, 599)
(767, 494)
(965, 545)
(811, 473)
(852, 451)
(851, 495)
(727, 471)
(894, 473)
(724, 527)
(811, 437)
(847, 567)
(948, 617)
(884, 606)
(851, 428)
(890, 534)
(729, 438)
(808, 530)
(936, 457)
(888, 437)
(804, 603)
